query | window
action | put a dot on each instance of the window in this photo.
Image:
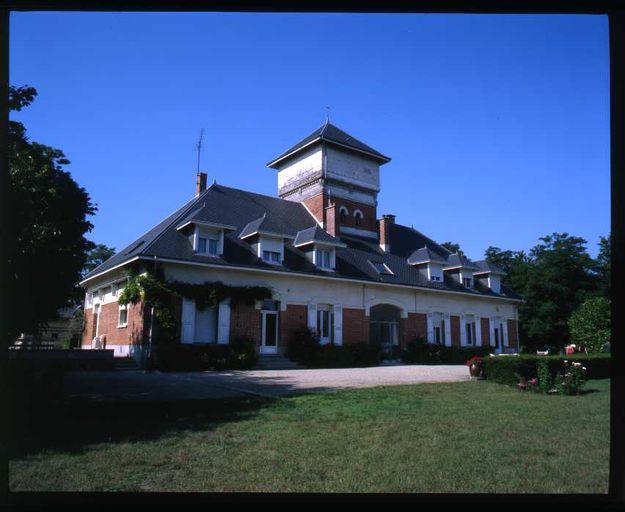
(122, 320)
(381, 267)
(212, 246)
(438, 328)
(325, 324)
(271, 256)
(470, 330)
(201, 244)
(208, 246)
(467, 282)
(323, 258)
(343, 214)
(358, 218)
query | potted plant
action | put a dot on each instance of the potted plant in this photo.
(475, 366)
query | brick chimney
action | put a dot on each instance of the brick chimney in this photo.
(384, 231)
(200, 183)
(331, 220)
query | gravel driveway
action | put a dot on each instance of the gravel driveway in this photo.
(135, 385)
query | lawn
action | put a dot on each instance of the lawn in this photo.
(429, 438)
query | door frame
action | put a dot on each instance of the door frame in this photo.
(264, 349)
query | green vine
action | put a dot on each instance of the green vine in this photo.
(155, 292)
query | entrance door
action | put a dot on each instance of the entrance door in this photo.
(269, 339)
(325, 323)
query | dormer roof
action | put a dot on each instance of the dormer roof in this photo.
(457, 260)
(425, 255)
(334, 136)
(263, 226)
(318, 235)
(487, 267)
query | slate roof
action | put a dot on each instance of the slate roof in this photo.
(264, 225)
(459, 260)
(332, 135)
(315, 234)
(247, 210)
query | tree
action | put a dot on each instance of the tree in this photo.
(603, 265)
(590, 324)
(452, 247)
(96, 256)
(47, 249)
(558, 279)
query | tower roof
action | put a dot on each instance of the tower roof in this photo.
(332, 135)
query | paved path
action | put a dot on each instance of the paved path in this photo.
(131, 386)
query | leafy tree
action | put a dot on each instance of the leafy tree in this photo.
(590, 324)
(603, 265)
(96, 256)
(558, 279)
(48, 220)
(452, 247)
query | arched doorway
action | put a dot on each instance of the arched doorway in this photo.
(384, 321)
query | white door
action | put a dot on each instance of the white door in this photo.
(325, 323)
(269, 336)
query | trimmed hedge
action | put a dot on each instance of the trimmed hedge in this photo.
(508, 369)
(420, 351)
(305, 349)
(239, 354)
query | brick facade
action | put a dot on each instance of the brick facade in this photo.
(454, 322)
(485, 325)
(318, 206)
(331, 219)
(295, 317)
(355, 326)
(131, 334)
(415, 326)
(513, 334)
(245, 321)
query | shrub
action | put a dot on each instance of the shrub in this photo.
(419, 351)
(303, 346)
(589, 324)
(573, 379)
(509, 369)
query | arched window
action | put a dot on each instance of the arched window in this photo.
(358, 218)
(384, 320)
(343, 213)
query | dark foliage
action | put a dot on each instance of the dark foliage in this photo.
(509, 369)
(419, 351)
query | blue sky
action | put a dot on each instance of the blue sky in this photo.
(498, 126)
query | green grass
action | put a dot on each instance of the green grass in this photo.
(429, 438)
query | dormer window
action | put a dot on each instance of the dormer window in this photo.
(323, 258)
(467, 282)
(208, 246)
(271, 257)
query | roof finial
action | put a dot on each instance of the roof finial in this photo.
(327, 115)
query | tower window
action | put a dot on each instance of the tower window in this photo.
(358, 218)
(343, 214)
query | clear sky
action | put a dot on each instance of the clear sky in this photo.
(498, 126)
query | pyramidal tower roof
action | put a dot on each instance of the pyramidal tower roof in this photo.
(332, 135)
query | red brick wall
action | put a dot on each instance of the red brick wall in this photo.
(455, 330)
(109, 316)
(384, 232)
(513, 338)
(369, 220)
(415, 326)
(295, 317)
(316, 205)
(331, 220)
(355, 326)
(485, 323)
(245, 321)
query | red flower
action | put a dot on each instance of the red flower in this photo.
(474, 360)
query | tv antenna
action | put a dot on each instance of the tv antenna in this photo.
(198, 147)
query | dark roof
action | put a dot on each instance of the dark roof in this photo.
(459, 260)
(424, 255)
(332, 135)
(486, 266)
(247, 211)
(264, 225)
(315, 234)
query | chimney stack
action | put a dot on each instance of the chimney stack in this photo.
(384, 231)
(200, 183)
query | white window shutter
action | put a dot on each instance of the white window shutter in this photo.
(188, 321)
(312, 317)
(491, 328)
(223, 322)
(338, 324)
(478, 331)
(447, 330)
(504, 324)
(463, 332)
